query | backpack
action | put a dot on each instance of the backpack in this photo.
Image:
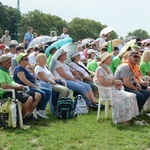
(81, 107)
(65, 108)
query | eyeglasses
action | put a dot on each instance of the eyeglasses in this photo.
(136, 56)
(9, 62)
(26, 59)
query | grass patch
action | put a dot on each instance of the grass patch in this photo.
(81, 133)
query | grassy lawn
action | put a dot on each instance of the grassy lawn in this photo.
(81, 133)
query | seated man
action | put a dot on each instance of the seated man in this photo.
(28, 99)
(125, 73)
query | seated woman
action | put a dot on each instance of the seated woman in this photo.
(91, 55)
(45, 75)
(23, 76)
(81, 72)
(124, 103)
(62, 71)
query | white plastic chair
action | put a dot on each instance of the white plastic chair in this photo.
(147, 105)
(13, 91)
(107, 100)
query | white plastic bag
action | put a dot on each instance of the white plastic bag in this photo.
(81, 107)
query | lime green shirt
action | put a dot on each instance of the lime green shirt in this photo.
(145, 68)
(116, 61)
(49, 59)
(5, 78)
(92, 66)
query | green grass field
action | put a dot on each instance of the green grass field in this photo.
(81, 133)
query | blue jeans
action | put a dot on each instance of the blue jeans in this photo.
(45, 96)
(141, 96)
(78, 86)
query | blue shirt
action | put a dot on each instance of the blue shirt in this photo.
(28, 75)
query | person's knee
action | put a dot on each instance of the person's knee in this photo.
(140, 96)
(37, 96)
(29, 100)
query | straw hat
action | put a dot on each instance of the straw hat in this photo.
(104, 56)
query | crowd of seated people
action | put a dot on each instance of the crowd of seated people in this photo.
(29, 68)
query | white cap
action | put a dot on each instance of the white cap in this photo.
(91, 51)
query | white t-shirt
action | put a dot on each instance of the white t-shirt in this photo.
(32, 58)
(65, 68)
(78, 68)
(65, 35)
(47, 73)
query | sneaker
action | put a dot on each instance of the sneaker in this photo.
(32, 118)
(41, 113)
(25, 121)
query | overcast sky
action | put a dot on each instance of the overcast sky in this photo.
(124, 15)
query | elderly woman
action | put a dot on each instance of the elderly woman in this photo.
(62, 71)
(124, 103)
(80, 72)
(145, 63)
(91, 55)
(23, 76)
(45, 75)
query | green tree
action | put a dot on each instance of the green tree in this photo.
(139, 33)
(8, 19)
(42, 23)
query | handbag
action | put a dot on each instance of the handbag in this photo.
(81, 107)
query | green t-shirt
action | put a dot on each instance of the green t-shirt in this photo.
(49, 59)
(145, 68)
(5, 77)
(116, 61)
(92, 66)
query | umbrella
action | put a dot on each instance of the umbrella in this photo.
(126, 46)
(147, 41)
(41, 40)
(86, 41)
(129, 38)
(106, 30)
(115, 43)
(58, 44)
(69, 48)
(14, 42)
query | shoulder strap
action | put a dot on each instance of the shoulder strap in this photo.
(84, 68)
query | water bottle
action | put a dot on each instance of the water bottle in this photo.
(12, 121)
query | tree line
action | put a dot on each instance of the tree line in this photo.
(42, 23)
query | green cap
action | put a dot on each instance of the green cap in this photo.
(21, 55)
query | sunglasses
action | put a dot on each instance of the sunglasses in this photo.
(26, 59)
(136, 56)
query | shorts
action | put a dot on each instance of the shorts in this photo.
(22, 96)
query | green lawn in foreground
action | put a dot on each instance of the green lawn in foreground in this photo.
(81, 133)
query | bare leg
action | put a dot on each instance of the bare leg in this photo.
(35, 102)
(26, 106)
(92, 96)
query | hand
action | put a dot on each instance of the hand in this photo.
(30, 67)
(118, 84)
(138, 86)
(20, 87)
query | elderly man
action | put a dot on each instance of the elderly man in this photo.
(127, 72)
(6, 39)
(28, 99)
